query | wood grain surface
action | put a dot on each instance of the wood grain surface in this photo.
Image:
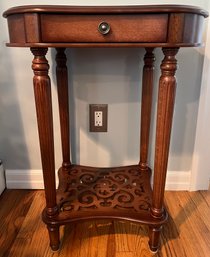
(22, 233)
(172, 25)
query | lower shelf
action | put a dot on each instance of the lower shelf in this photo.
(89, 193)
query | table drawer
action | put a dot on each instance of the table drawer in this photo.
(85, 28)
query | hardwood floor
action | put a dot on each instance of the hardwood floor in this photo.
(22, 232)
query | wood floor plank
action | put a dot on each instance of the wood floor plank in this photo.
(14, 207)
(189, 223)
(143, 249)
(206, 196)
(187, 233)
(32, 237)
(125, 254)
(200, 229)
(128, 235)
(89, 239)
(181, 236)
(203, 208)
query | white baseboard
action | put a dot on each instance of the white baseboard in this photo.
(32, 179)
(178, 180)
(24, 179)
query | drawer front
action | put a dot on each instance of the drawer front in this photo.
(85, 28)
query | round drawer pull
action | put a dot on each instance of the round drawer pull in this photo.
(104, 28)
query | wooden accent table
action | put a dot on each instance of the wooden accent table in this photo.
(114, 193)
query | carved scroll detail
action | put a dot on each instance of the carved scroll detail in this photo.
(84, 188)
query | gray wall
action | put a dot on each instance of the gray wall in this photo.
(111, 76)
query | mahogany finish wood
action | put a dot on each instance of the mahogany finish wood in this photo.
(166, 98)
(42, 93)
(63, 100)
(142, 28)
(131, 26)
(119, 192)
(133, 9)
(146, 105)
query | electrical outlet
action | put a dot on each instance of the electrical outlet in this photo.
(98, 117)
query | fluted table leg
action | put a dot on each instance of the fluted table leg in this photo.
(166, 98)
(147, 88)
(63, 100)
(42, 92)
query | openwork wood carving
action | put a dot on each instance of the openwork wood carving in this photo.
(84, 188)
(123, 192)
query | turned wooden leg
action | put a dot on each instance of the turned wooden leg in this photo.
(166, 98)
(63, 100)
(54, 237)
(147, 88)
(154, 235)
(42, 92)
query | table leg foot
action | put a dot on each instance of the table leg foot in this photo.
(154, 238)
(54, 237)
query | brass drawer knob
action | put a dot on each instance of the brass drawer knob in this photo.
(104, 28)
